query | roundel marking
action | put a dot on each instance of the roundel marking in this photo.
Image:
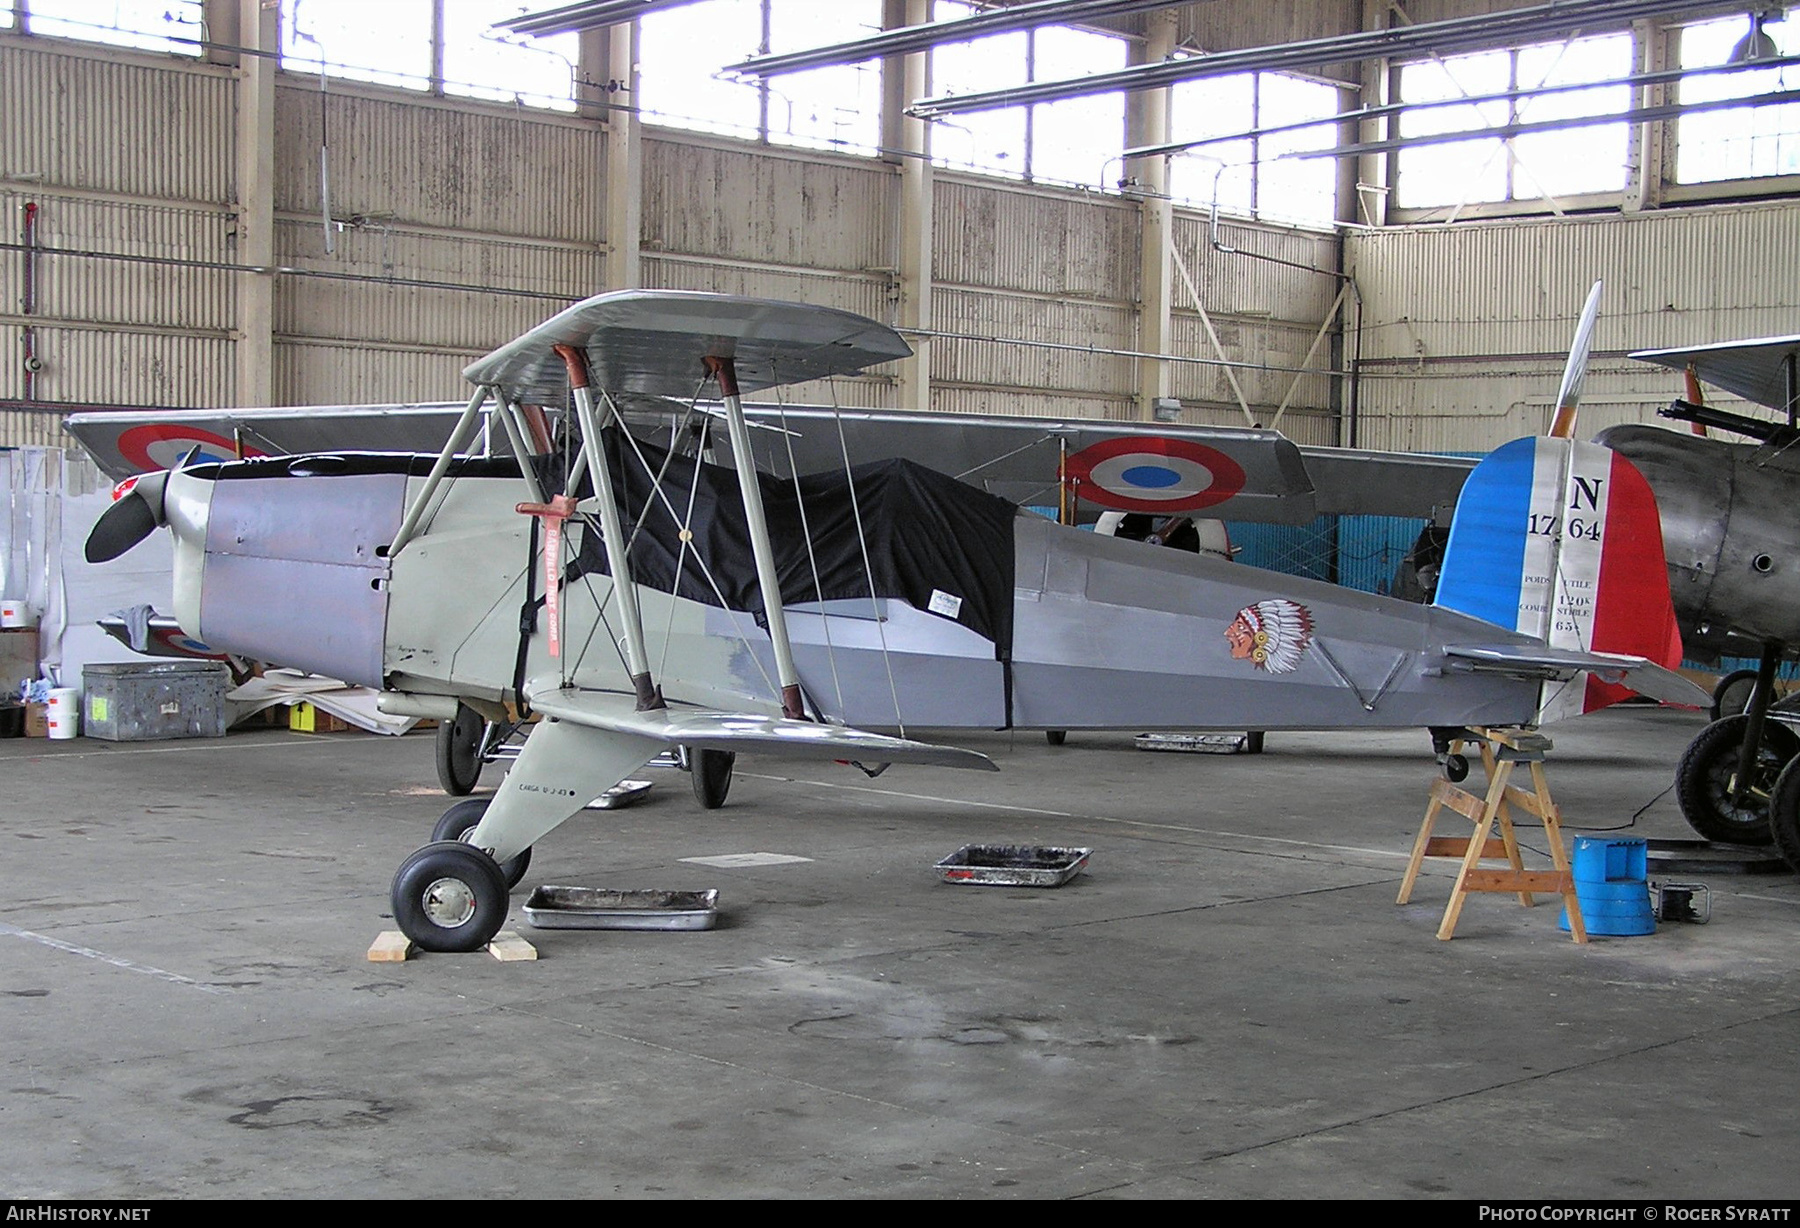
(179, 641)
(161, 445)
(1153, 473)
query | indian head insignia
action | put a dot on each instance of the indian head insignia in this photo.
(1272, 635)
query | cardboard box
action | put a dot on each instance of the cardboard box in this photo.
(37, 720)
(304, 718)
(18, 657)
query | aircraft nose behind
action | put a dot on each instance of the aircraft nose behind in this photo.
(137, 511)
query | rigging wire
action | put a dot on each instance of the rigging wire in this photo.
(811, 557)
(862, 542)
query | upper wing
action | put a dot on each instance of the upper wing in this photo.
(1015, 458)
(1756, 370)
(653, 341)
(1256, 475)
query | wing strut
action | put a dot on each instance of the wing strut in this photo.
(724, 369)
(612, 530)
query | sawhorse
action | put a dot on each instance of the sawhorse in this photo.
(1501, 750)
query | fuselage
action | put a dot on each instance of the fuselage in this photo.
(286, 561)
(1730, 532)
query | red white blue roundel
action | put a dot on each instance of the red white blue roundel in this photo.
(1153, 474)
(161, 445)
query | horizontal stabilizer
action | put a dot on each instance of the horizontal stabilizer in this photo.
(1542, 661)
(705, 729)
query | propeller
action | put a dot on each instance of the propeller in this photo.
(137, 511)
(1568, 397)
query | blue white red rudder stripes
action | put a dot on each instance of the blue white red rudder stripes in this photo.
(1562, 540)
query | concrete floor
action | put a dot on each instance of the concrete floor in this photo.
(1227, 1004)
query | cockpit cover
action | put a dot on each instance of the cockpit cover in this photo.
(932, 541)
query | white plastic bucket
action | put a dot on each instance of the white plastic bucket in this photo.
(64, 715)
(15, 614)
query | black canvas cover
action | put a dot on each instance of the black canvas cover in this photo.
(929, 537)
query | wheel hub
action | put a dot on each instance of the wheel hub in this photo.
(449, 902)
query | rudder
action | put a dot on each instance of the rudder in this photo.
(1561, 540)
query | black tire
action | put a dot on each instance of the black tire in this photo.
(1703, 780)
(711, 770)
(461, 819)
(1731, 695)
(1784, 814)
(1456, 768)
(1056, 737)
(459, 751)
(1253, 742)
(449, 896)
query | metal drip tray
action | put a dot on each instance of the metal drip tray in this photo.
(596, 908)
(1012, 865)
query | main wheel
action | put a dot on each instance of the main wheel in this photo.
(462, 818)
(711, 770)
(459, 751)
(449, 896)
(1056, 737)
(1708, 769)
(1784, 814)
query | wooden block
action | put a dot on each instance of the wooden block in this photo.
(390, 947)
(508, 946)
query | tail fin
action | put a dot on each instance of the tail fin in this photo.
(1561, 540)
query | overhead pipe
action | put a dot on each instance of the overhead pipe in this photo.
(33, 364)
(1427, 38)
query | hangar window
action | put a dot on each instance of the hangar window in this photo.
(151, 25)
(680, 86)
(387, 43)
(825, 108)
(1248, 174)
(1069, 141)
(680, 51)
(1738, 142)
(1495, 88)
(483, 62)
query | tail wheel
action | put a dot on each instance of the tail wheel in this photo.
(711, 770)
(449, 896)
(462, 818)
(1707, 774)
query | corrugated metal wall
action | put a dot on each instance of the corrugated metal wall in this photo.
(147, 183)
(501, 211)
(1466, 328)
(1015, 263)
(1266, 291)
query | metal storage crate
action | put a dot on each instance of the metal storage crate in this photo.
(146, 701)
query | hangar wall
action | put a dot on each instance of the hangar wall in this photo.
(1466, 328)
(457, 224)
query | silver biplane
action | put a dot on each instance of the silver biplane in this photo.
(621, 590)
